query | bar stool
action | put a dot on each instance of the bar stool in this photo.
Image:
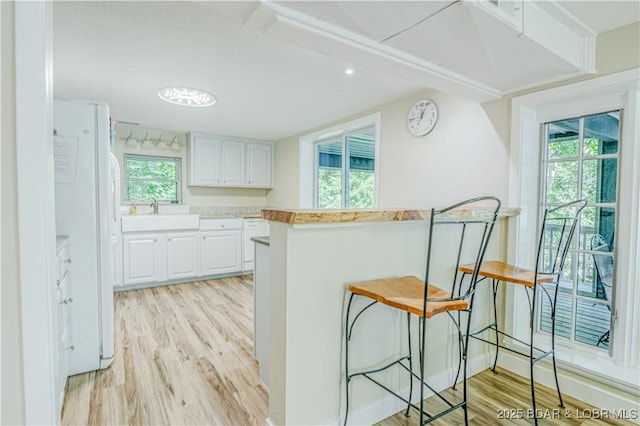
(556, 234)
(421, 298)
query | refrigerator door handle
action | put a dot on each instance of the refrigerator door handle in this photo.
(115, 201)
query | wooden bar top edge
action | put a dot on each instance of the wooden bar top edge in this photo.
(303, 217)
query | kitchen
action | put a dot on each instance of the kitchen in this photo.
(484, 135)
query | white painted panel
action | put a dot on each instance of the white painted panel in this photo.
(221, 252)
(259, 165)
(233, 163)
(140, 259)
(204, 160)
(182, 255)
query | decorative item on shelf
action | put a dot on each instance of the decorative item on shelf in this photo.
(175, 145)
(147, 142)
(131, 142)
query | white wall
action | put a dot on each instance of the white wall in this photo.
(193, 196)
(463, 157)
(469, 140)
(12, 385)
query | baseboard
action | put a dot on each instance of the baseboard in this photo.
(390, 405)
(612, 403)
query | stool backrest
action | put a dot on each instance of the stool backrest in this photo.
(558, 226)
(469, 232)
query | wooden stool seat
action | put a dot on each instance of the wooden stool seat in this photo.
(505, 272)
(407, 293)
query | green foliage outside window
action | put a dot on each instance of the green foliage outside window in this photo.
(361, 189)
(147, 178)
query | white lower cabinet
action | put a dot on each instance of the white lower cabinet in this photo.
(157, 257)
(173, 256)
(220, 252)
(182, 255)
(144, 260)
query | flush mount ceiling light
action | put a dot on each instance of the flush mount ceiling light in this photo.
(349, 71)
(186, 96)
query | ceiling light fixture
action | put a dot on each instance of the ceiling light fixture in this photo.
(349, 71)
(186, 96)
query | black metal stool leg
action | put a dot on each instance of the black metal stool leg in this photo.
(495, 322)
(410, 364)
(553, 342)
(531, 358)
(346, 359)
(422, 338)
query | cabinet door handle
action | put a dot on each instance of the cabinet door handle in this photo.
(67, 301)
(70, 348)
(57, 283)
(169, 239)
(155, 240)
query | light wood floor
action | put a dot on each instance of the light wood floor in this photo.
(503, 398)
(183, 356)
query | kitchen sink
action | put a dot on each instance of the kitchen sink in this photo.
(141, 223)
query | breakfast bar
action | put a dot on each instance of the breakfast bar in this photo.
(313, 255)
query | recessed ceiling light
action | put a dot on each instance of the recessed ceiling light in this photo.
(349, 71)
(186, 96)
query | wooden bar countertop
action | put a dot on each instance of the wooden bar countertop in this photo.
(305, 217)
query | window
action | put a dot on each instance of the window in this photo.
(541, 122)
(147, 178)
(580, 160)
(345, 170)
(339, 166)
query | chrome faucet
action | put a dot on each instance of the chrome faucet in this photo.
(154, 204)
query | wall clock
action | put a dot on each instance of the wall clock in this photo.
(422, 117)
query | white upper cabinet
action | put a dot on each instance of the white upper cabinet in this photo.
(204, 153)
(233, 163)
(223, 161)
(259, 165)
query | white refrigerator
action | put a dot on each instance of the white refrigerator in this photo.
(87, 211)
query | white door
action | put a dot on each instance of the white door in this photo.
(259, 165)
(233, 163)
(140, 258)
(220, 252)
(182, 260)
(205, 160)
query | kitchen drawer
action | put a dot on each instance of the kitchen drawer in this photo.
(220, 224)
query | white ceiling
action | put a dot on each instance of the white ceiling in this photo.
(272, 82)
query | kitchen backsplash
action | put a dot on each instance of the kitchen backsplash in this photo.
(226, 211)
(202, 211)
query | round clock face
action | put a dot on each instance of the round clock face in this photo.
(422, 117)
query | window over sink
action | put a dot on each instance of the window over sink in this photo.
(149, 177)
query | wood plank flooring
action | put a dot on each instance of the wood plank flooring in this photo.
(503, 399)
(183, 356)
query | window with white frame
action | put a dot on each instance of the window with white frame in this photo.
(339, 165)
(580, 160)
(602, 163)
(345, 170)
(148, 178)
